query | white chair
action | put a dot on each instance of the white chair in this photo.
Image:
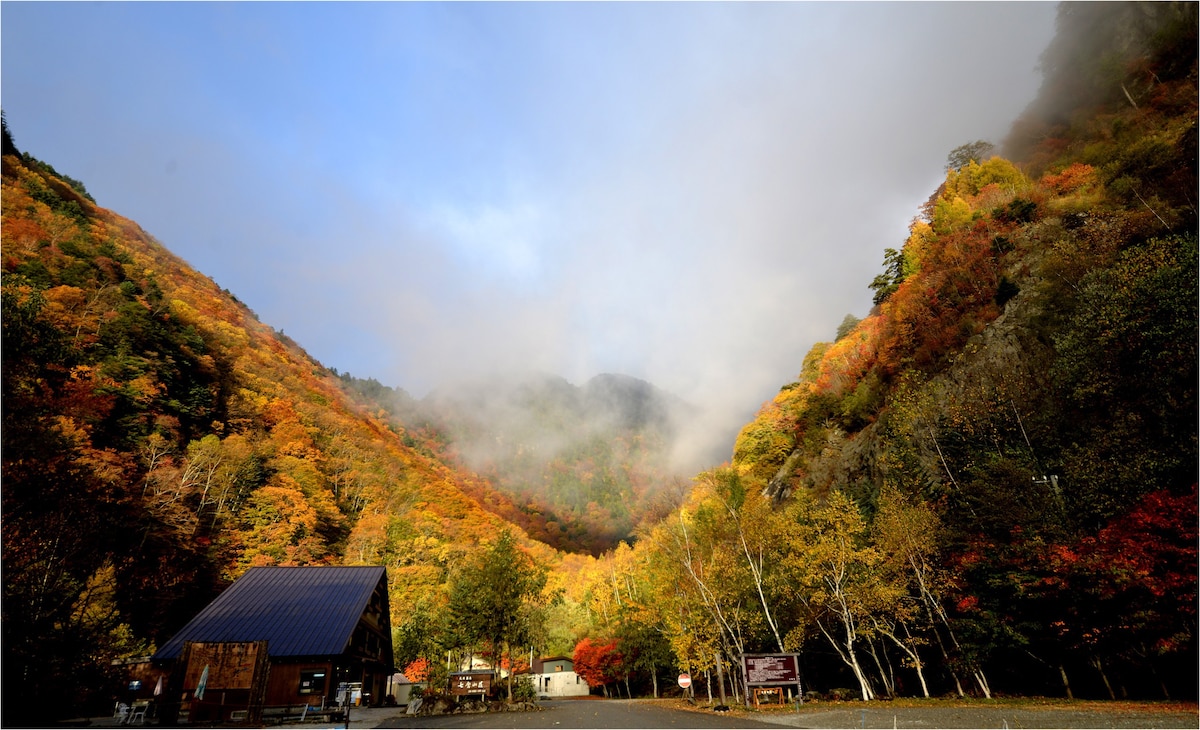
(138, 714)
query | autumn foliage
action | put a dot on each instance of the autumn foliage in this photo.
(1002, 451)
(986, 485)
(158, 440)
(598, 662)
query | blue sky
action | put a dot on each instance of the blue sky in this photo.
(690, 193)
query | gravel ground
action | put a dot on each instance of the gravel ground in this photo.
(1004, 714)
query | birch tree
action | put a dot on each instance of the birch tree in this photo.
(753, 521)
(834, 573)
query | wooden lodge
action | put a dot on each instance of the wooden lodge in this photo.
(282, 640)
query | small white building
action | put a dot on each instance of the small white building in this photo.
(401, 688)
(555, 677)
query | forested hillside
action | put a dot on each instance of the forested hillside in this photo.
(578, 467)
(987, 484)
(158, 440)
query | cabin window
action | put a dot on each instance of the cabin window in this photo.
(312, 681)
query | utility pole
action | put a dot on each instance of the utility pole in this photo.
(1052, 481)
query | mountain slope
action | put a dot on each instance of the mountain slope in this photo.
(1030, 372)
(988, 484)
(1000, 284)
(158, 439)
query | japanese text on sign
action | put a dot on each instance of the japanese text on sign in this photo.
(470, 684)
(771, 669)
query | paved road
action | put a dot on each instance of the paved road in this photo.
(585, 715)
(593, 714)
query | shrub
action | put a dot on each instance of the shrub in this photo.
(1071, 179)
(1018, 210)
(523, 689)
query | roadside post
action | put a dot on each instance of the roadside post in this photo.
(720, 685)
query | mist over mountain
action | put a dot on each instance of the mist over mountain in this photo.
(576, 466)
(541, 413)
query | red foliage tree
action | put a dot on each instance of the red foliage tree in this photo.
(598, 662)
(1144, 563)
(417, 671)
(1122, 601)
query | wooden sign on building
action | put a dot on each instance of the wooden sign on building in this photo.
(224, 677)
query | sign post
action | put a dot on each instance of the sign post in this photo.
(720, 684)
(685, 681)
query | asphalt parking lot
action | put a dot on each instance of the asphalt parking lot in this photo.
(594, 714)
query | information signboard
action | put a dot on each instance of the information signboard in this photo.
(471, 683)
(772, 669)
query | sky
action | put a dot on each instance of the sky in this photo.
(689, 193)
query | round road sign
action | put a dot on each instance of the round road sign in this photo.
(685, 680)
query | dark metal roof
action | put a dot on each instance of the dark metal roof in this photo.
(299, 611)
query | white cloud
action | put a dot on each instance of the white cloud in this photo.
(504, 240)
(691, 193)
